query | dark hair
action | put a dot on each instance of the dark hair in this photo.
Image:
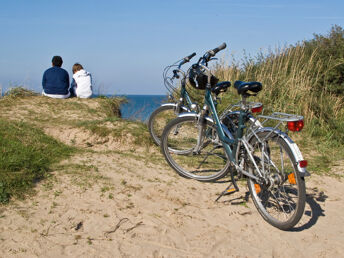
(77, 67)
(57, 61)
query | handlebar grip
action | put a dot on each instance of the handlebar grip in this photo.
(219, 48)
(188, 58)
(213, 52)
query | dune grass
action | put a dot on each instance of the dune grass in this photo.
(296, 79)
(26, 157)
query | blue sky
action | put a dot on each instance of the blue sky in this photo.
(126, 44)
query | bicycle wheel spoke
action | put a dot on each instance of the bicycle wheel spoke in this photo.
(193, 155)
(281, 200)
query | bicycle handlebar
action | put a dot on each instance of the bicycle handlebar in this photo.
(209, 54)
(186, 59)
(219, 48)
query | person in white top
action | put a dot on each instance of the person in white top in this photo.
(82, 82)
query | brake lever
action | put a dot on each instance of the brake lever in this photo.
(175, 74)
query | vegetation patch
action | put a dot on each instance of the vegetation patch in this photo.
(111, 105)
(135, 132)
(307, 79)
(26, 156)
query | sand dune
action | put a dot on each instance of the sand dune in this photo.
(111, 201)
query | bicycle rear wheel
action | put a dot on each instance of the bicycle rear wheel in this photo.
(281, 198)
(158, 120)
(178, 144)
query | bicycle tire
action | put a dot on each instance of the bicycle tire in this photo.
(157, 121)
(178, 147)
(285, 192)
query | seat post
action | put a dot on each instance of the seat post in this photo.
(243, 100)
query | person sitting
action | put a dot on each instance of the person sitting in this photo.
(55, 80)
(82, 82)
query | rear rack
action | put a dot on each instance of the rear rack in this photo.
(280, 117)
(284, 117)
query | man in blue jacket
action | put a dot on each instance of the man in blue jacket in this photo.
(55, 80)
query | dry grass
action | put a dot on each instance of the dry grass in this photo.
(290, 78)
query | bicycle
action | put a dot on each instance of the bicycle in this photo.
(167, 111)
(201, 147)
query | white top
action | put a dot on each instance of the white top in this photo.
(56, 96)
(82, 83)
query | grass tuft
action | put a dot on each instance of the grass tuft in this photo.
(19, 92)
(26, 156)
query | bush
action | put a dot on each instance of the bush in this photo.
(330, 50)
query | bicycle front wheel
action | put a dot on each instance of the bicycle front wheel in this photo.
(201, 158)
(158, 120)
(281, 198)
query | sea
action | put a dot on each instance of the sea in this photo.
(140, 107)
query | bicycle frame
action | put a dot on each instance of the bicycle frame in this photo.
(235, 141)
(184, 95)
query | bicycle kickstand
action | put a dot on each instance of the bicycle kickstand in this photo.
(232, 188)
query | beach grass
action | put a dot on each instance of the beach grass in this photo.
(26, 157)
(299, 79)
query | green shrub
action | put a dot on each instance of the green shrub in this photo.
(330, 50)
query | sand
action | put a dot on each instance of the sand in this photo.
(114, 202)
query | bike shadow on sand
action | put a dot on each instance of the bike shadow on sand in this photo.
(312, 213)
(313, 198)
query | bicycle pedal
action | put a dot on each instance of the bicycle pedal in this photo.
(226, 192)
(231, 190)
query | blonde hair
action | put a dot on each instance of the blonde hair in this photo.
(77, 67)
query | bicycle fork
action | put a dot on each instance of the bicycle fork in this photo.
(201, 125)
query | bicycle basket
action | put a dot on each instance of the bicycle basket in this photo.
(198, 79)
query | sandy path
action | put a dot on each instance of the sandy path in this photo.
(111, 205)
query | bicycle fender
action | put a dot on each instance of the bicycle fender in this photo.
(169, 105)
(185, 109)
(196, 116)
(291, 144)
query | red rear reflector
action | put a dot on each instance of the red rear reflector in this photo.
(295, 126)
(303, 163)
(257, 109)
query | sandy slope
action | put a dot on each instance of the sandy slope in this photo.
(109, 203)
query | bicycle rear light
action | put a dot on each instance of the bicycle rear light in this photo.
(295, 126)
(257, 109)
(303, 163)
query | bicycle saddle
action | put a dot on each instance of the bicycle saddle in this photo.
(221, 87)
(244, 87)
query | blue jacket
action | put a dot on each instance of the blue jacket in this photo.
(55, 81)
